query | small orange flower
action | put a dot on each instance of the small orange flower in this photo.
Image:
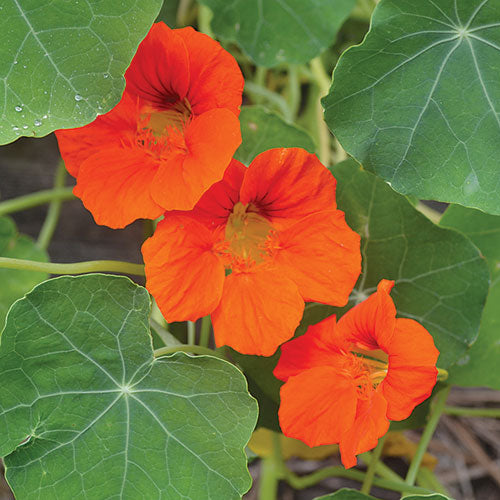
(344, 381)
(169, 138)
(274, 230)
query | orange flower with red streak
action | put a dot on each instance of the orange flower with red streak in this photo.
(169, 138)
(255, 247)
(344, 381)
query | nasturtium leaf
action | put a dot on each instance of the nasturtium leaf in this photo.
(346, 494)
(277, 31)
(441, 279)
(479, 365)
(62, 63)
(86, 412)
(262, 130)
(16, 283)
(417, 102)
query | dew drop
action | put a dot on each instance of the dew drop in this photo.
(18, 108)
(106, 75)
(24, 66)
(44, 116)
(25, 127)
(15, 129)
(15, 62)
(37, 123)
(78, 97)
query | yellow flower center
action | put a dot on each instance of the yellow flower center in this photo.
(246, 233)
(160, 121)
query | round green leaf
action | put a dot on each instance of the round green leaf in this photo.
(416, 103)
(15, 283)
(479, 365)
(276, 31)
(86, 412)
(62, 63)
(441, 279)
(262, 130)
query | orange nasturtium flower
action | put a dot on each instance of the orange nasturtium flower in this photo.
(344, 381)
(255, 247)
(169, 138)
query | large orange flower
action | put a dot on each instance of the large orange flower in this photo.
(255, 247)
(169, 138)
(344, 381)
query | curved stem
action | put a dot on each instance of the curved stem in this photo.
(273, 98)
(90, 266)
(54, 211)
(271, 471)
(301, 482)
(370, 473)
(205, 331)
(35, 199)
(293, 87)
(461, 411)
(191, 332)
(204, 18)
(194, 349)
(439, 404)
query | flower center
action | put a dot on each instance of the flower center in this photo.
(247, 233)
(368, 368)
(160, 130)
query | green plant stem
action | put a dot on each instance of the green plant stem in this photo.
(439, 404)
(194, 349)
(301, 482)
(323, 82)
(205, 331)
(204, 18)
(293, 87)
(191, 332)
(271, 470)
(167, 338)
(460, 411)
(182, 13)
(272, 97)
(381, 469)
(54, 211)
(35, 199)
(90, 266)
(370, 473)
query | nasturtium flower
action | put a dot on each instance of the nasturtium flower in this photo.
(345, 380)
(255, 247)
(169, 138)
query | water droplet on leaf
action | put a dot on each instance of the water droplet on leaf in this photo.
(18, 108)
(78, 97)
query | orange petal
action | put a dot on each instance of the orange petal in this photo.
(216, 80)
(371, 323)
(107, 131)
(259, 310)
(321, 254)
(114, 185)
(159, 71)
(412, 368)
(182, 273)
(217, 203)
(317, 406)
(287, 184)
(211, 140)
(317, 347)
(369, 425)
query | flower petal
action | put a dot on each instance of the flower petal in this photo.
(114, 185)
(369, 425)
(159, 71)
(216, 79)
(287, 184)
(111, 130)
(182, 273)
(259, 310)
(211, 140)
(412, 368)
(370, 324)
(317, 347)
(317, 406)
(321, 254)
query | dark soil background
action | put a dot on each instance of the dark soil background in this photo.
(468, 450)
